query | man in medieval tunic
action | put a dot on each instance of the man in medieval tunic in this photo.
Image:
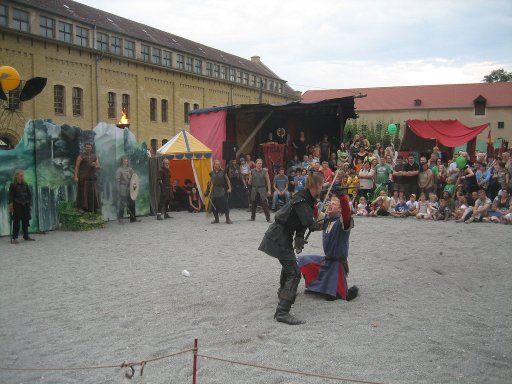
(87, 196)
(124, 176)
(166, 191)
(259, 182)
(218, 189)
(285, 236)
(327, 275)
(20, 201)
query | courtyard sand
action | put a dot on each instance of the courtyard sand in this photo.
(434, 304)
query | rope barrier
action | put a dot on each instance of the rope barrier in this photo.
(195, 349)
(289, 371)
(130, 365)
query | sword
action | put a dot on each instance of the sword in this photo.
(325, 199)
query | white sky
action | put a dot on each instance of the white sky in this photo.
(344, 44)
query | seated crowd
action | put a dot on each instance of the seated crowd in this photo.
(380, 182)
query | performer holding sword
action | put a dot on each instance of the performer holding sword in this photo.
(285, 236)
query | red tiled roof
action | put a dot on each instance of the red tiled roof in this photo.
(431, 96)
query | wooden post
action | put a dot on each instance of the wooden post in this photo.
(253, 133)
(194, 363)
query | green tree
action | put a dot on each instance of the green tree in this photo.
(498, 76)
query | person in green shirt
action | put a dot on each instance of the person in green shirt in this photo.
(449, 187)
(383, 172)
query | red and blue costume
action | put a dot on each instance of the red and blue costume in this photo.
(327, 275)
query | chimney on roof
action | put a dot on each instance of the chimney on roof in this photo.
(256, 59)
(417, 103)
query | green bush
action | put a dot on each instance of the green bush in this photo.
(72, 220)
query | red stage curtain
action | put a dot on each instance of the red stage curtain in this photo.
(450, 133)
(274, 158)
(210, 129)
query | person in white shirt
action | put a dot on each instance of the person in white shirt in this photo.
(366, 180)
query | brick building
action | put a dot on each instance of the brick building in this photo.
(99, 64)
(471, 104)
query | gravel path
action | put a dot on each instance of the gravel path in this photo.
(435, 304)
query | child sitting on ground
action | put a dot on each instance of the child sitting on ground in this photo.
(401, 208)
(444, 212)
(433, 204)
(423, 208)
(412, 205)
(461, 207)
(362, 207)
(380, 206)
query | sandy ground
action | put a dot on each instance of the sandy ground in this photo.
(435, 304)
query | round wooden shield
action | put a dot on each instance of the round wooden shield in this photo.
(134, 186)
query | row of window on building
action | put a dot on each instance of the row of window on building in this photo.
(59, 103)
(63, 31)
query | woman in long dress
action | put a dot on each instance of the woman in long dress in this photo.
(327, 275)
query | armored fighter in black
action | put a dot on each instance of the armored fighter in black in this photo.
(285, 236)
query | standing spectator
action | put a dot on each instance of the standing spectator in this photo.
(498, 178)
(260, 189)
(166, 190)
(249, 161)
(366, 180)
(325, 149)
(300, 145)
(383, 174)
(360, 156)
(343, 154)
(219, 188)
(441, 179)
(280, 189)
(410, 175)
(425, 178)
(87, 196)
(483, 176)
(352, 182)
(468, 179)
(398, 179)
(327, 172)
(20, 203)
(123, 179)
(333, 163)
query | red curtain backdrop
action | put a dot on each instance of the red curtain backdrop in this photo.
(274, 158)
(210, 129)
(450, 133)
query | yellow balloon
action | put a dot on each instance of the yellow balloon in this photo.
(9, 78)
